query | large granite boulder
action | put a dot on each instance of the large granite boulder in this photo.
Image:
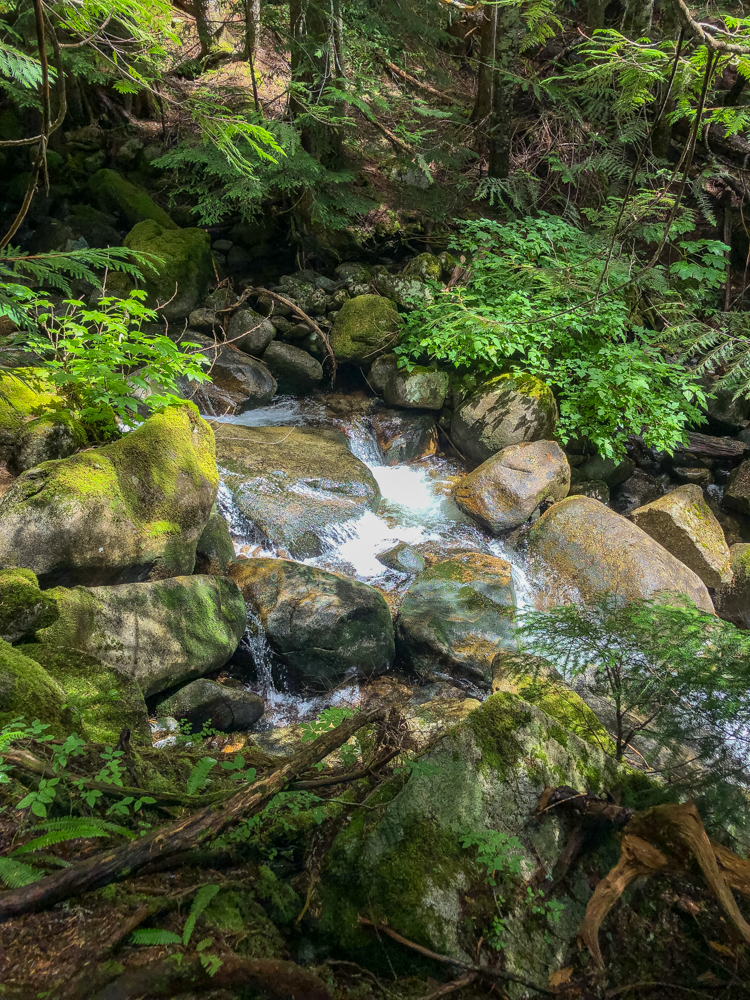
(684, 524)
(365, 327)
(215, 549)
(506, 410)
(295, 371)
(56, 434)
(228, 709)
(323, 627)
(455, 617)
(132, 510)
(178, 280)
(114, 193)
(238, 382)
(404, 437)
(732, 600)
(581, 546)
(294, 483)
(250, 332)
(506, 489)
(162, 633)
(23, 606)
(418, 388)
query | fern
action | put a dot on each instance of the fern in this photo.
(154, 935)
(198, 777)
(60, 831)
(202, 898)
(16, 874)
(20, 67)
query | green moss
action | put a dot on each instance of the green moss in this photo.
(568, 708)
(494, 725)
(24, 395)
(237, 912)
(116, 194)
(424, 266)
(184, 268)
(526, 385)
(23, 606)
(27, 690)
(366, 326)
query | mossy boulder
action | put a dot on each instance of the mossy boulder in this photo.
(685, 525)
(102, 700)
(56, 434)
(132, 510)
(506, 489)
(25, 394)
(407, 291)
(404, 437)
(403, 862)
(115, 194)
(419, 388)
(294, 483)
(215, 549)
(732, 600)
(365, 327)
(506, 410)
(23, 606)
(163, 633)
(579, 545)
(182, 275)
(26, 689)
(228, 709)
(321, 626)
(455, 617)
(425, 266)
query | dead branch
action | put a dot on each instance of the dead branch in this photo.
(123, 862)
(413, 80)
(302, 315)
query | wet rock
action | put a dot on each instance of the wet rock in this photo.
(23, 606)
(506, 489)
(725, 414)
(215, 549)
(104, 699)
(132, 510)
(246, 382)
(506, 410)
(699, 475)
(486, 775)
(456, 615)
(294, 483)
(737, 492)
(162, 633)
(322, 627)
(684, 524)
(404, 437)
(295, 371)
(57, 434)
(732, 600)
(132, 204)
(228, 709)
(250, 332)
(403, 558)
(595, 488)
(605, 470)
(639, 489)
(420, 388)
(587, 548)
(179, 281)
(365, 327)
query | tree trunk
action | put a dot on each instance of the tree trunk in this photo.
(207, 20)
(483, 102)
(313, 58)
(509, 28)
(595, 15)
(637, 18)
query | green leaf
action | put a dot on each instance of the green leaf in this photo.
(154, 935)
(203, 897)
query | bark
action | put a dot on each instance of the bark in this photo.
(483, 102)
(508, 32)
(185, 834)
(637, 18)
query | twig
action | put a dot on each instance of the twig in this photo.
(454, 987)
(414, 81)
(300, 314)
(339, 779)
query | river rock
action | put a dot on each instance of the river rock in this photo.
(294, 483)
(228, 709)
(698, 474)
(323, 627)
(114, 193)
(506, 410)
(215, 549)
(23, 606)
(737, 492)
(405, 290)
(56, 434)
(404, 437)
(28, 691)
(425, 266)
(732, 600)
(684, 524)
(586, 547)
(639, 489)
(162, 633)
(506, 489)
(606, 470)
(403, 558)
(595, 488)
(419, 388)
(132, 510)
(456, 615)
(404, 862)
(365, 327)
(250, 332)
(245, 381)
(295, 371)
(178, 282)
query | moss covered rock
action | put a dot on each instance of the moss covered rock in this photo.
(506, 489)
(114, 193)
(23, 606)
(215, 549)
(294, 483)
(456, 615)
(132, 510)
(228, 709)
(184, 270)
(419, 388)
(506, 410)
(26, 689)
(580, 545)
(162, 633)
(404, 863)
(425, 266)
(406, 290)
(320, 625)
(365, 327)
(102, 700)
(56, 434)
(23, 395)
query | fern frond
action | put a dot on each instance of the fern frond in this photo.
(154, 935)
(16, 874)
(72, 828)
(198, 778)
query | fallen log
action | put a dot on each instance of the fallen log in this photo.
(184, 834)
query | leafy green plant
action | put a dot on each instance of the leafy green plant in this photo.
(156, 936)
(499, 854)
(331, 718)
(238, 770)
(198, 778)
